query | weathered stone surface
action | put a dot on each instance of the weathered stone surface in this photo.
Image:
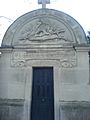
(11, 109)
(4, 112)
(67, 59)
(45, 38)
(75, 111)
(44, 26)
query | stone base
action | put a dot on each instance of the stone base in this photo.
(11, 109)
(14, 110)
(75, 111)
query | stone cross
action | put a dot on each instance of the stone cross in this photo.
(43, 2)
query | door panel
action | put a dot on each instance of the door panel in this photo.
(42, 105)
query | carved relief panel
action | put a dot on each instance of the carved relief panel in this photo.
(46, 31)
(65, 58)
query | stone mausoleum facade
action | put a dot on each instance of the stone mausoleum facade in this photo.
(44, 38)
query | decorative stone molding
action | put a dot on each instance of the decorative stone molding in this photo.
(74, 104)
(12, 102)
(45, 30)
(44, 26)
(66, 59)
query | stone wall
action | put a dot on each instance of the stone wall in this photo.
(11, 109)
(51, 38)
(14, 110)
(75, 111)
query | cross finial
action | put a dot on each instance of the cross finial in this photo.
(43, 2)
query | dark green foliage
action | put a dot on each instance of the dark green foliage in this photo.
(88, 37)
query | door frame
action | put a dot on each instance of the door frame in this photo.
(28, 85)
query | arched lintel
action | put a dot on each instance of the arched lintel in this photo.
(65, 25)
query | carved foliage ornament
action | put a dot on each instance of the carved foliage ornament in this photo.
(66, 59)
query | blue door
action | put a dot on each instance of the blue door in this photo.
(42, 105)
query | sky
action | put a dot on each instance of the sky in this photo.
(10, 10)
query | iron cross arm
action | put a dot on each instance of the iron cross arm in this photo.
(43, 2)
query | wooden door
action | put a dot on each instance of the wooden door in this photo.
(42, 105)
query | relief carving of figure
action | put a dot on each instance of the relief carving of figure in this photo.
(44, 31)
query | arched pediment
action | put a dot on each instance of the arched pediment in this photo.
(44, 27)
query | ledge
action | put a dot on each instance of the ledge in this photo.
(76, 47)
(12, 102)
(75, 104)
